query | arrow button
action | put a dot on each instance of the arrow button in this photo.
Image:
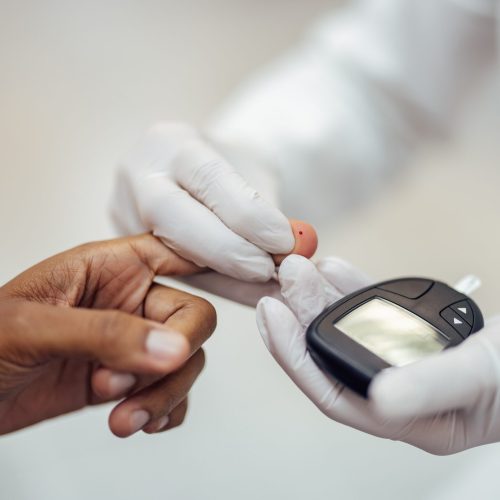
(464, 311)
(457, 322)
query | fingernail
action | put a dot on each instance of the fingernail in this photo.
(119, 383)
(138, 419)
(162, 423)
(164, 345)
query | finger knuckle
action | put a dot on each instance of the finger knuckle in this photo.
(202, 309)
(208, 312)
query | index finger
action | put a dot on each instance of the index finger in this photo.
(211, 180)
(187, 314)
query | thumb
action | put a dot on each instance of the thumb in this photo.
(286, 340)
(117, 340)
(456, 378)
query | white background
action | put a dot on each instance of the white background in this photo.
(79, 81)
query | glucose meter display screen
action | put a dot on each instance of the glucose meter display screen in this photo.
(392, 333)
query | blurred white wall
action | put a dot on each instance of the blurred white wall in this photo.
(79, 82)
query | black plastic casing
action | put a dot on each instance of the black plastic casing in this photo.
(354, 365)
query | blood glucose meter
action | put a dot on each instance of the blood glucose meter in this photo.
(394, 323)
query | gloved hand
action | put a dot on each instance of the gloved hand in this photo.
(444, 404)
(177, 185)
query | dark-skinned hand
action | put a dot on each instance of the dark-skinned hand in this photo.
(89, 326)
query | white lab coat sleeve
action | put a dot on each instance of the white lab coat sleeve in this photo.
(337, 115)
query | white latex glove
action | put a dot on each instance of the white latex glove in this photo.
(177, 185)
(444, 404)
(351, 105)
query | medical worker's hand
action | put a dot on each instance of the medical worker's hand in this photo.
(89, 326)
(444, 404)
(175, 184)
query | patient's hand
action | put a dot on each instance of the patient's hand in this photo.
(89, 326)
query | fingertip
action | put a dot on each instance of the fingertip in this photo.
(295, 268)
(266, 307)
(108, 384)
(263, 302)
(124, 421)
(306, 240)
(266, 304)
(160, 425)
(291, 262)
(261, 309)
(99, 383)
(167, 350)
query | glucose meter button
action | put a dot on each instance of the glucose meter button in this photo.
(464, 310)
(410, 289)
(457, 322)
